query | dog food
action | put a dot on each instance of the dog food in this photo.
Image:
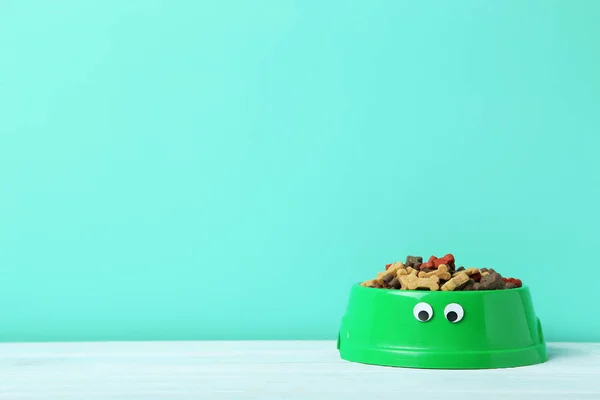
(438, 274)
(442, 272)
(414, 262)
(411, 282)
(456, 282)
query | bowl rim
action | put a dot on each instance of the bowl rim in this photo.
(466, 293)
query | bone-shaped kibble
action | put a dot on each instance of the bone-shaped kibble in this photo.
(468, 271)
(455, 282)
(411, 282)
(396, 266)
(442, 273)
(406, 271)
(387, 276)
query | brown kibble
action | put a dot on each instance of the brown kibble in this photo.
(510, 285)
(414, 261)
(491, 281)
(395, 283)
(468, 285)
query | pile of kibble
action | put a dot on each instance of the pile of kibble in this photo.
(438, 274)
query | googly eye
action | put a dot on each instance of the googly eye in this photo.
(423, 312)
(454, 312)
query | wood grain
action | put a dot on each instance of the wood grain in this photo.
(272, 370)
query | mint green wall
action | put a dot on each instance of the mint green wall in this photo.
(226, 169)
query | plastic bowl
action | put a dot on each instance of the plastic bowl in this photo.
(498, 329)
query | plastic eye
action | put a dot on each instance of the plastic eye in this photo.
(454, 312)
(423, 312)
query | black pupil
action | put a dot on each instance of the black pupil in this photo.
(452, 316)
(423, 315)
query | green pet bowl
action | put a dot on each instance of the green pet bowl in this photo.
(449, 330)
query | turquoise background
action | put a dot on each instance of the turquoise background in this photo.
(226, 169)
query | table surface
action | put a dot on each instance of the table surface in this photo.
(273, 370)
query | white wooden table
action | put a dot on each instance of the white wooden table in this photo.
(272, 370)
